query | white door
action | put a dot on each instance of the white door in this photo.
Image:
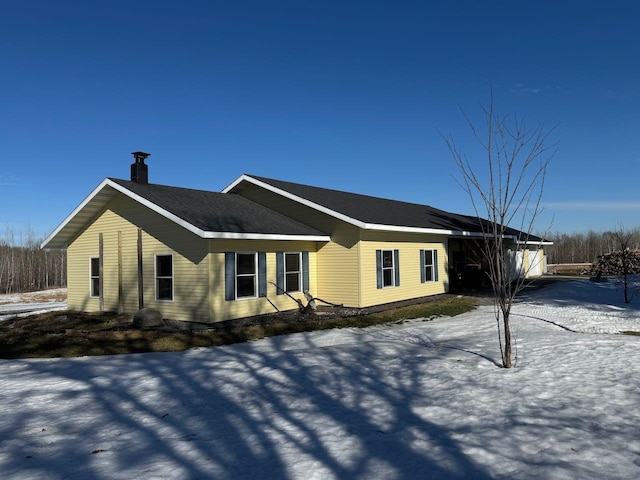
(535, 263)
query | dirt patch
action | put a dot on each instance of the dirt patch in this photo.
(66, 334)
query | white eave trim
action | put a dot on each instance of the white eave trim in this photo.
(75, 212)
(206, 234)
(345, 218)
(179, 221)
(266, 236)
(295, 198)
(434, 231)
(535, 242)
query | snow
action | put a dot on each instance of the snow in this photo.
(413, 400)
(23, 304)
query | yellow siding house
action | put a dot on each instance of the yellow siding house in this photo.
(205, 257)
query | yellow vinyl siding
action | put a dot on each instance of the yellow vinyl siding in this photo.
(85, 247)
(222, 309)
(159, 236)
(409, 246)
(338, 267)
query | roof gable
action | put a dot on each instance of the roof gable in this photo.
(206, 214)
(375, 213)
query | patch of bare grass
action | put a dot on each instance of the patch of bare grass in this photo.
(71, 334)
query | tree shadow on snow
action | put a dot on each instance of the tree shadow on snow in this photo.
(251, 411)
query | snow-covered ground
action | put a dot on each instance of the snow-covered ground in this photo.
(20, 304)
(418, 400)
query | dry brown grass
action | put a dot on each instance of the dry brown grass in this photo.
(43, 296)
(70, 334)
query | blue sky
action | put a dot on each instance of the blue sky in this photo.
(344, 95)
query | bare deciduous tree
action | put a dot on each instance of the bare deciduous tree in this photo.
(505, 190)
(25, 267)
(586, 247)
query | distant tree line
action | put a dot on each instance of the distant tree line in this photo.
(25, 267)
(587, 247)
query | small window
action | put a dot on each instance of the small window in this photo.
(429, 261)
(387, 268)
(95, 277)
(246, 275)
(293, 272)
(164, 277)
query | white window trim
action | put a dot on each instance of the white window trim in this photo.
(299, 272)
(255, 276)
(156, 277)
(432, 265)
(91, 277)
(392, 268)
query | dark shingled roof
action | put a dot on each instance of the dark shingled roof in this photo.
(218, 212)
(382, 211)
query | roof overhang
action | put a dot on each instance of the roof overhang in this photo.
(100, 197)
(355, 222)
(535, 242)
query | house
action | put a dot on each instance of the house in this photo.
(211, 256)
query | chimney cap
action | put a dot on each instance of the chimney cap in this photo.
(140, 157)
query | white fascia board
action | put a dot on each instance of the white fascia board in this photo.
(233, 184)
(77, 210)
(161, 211)
(435, 231)
(345, 218)
(534, 242)
(295, 198)
(222, 235)
(170, 216)
(266, 236)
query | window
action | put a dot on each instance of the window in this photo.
(164, 277)
(95, 277)
(292, 272)
(429, 266)
(387, 268)
(246, 275)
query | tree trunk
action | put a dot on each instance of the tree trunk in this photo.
(506, 359)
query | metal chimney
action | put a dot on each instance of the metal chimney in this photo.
(140, 170)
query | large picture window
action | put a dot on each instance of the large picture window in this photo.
(429, 266)
(164, 277)
(246, 275)
(95, 277)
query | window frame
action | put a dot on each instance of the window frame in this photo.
(433, 265)
(298, 273)
(244, 275)
(393, 269)
(424, 278)
(93, 277)
(390, 269)
(158, 277)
